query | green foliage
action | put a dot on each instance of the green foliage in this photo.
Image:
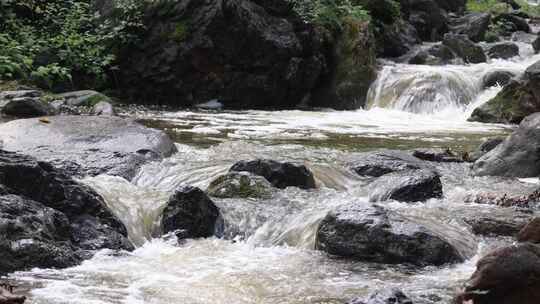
(491, 6)
(331, 14)
(52, 42)
(532, 10)
(180, 31)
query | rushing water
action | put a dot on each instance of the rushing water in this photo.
(267, 255)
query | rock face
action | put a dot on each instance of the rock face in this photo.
(190, 213)
(385, 296)
(427, 16)
(531, 232)
(396, 39)
(517, 155)
(372, 233)
(474, 25)
(49, 220)
(240, 184)
(281, 175)
(407, 186)
(88, 145)
(378, 163)
(464, 48)
(503, 50)
(518, 99)
(246, 54)
(505, 276)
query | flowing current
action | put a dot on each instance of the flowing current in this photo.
(267, 255)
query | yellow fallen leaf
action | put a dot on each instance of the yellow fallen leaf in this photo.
(44, 120)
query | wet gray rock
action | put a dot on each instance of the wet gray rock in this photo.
(517, 155)
(88, 145)
(190, 213)
(494, 226)
(497, 78)
(378, 163)
(439, 155)
(484, 148)
(474, 25)
(505, 276)
(407, 186)
(503, 50)
(524, 37)
(372, 233)
(385, 296)
(240, 184)
(86, 98)
(464, 48)
(55, 221)
(279, 174)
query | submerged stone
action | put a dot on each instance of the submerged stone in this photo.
(279, 174)
(385, 296)
(378, 163)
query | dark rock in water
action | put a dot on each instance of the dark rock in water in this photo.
(397, 39)
(55, 220)
(531, 232)
(464, 48)
(517, 155)
(190, 213)
(511, 23)
(7, 296)
(407, 186)
(474, 25)
(27, 107)
(484, 148)
(437, 155)
(240, 184)
(103, 108)
(88, 145)
(33, 235)
(497, 78)
(518, 99)
(372, 233)
(503, 50)
(281, 175)
(378, 163)
(505, 276)
(385, 296)
(492, 226)
(436, 55)
(536, 44)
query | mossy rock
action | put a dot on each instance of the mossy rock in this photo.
(85, 98)
(240, 185)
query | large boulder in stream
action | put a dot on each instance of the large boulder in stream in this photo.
(503, 50)
(49, 220)
(87, 145)
(279, 174)
(517, 155)
(373, 233)
(507, 275)
(464, 48)
(407, 186)
(474, 25)
(190, 213)
(519, 98)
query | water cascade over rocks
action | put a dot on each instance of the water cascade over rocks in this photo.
(289, 207)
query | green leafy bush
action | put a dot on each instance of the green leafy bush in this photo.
(330, 13)
(492, 6)
(54, 42)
